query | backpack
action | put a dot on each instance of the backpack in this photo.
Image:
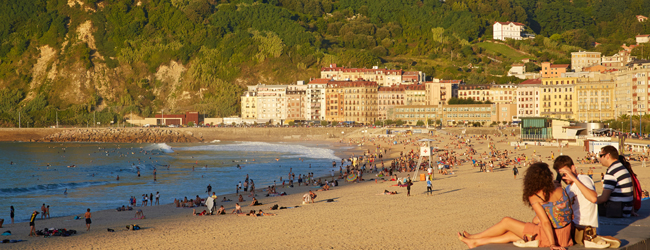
(638, 192)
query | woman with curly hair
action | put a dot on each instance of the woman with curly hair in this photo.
(551, 225)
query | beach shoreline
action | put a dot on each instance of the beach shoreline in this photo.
(360, 217)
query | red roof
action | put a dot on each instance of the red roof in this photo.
(319, 81)
(643, 36)
(447, 81)
(531, 81)
(351, 84)
(389, 89)
(415, 87)
(360, 70)
(411, 73)
(559, 65)
(507, 23)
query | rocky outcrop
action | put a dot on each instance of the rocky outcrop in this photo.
(127, 135)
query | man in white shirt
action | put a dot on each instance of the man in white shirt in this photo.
(582, 195)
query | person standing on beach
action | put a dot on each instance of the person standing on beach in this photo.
(11, 214)
(43, 211)
(429, 191)
(32, 227)
(87, 215)
(47, 211)
(157, 198)
(515, 171)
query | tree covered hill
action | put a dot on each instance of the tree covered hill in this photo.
(121, 57)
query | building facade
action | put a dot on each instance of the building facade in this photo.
(595, 100)
(315, 92)
(388, 98)
(438, 92)
(553, 70)
(583, 59)
(507, 30)
(557, 98)
(527, 100)
(476, 92)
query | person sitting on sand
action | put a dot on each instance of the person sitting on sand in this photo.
(547, 200)
(221, 210)
(177, 202)
(261, 213)
(325, 188)
(139, 214)
(199, 214)
(197, 201)
(241, 199)
(237, 209)
(255, 202)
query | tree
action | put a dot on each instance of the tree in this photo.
(335, 123)
(378, 123)
(323, 123)
(399, 122)
(420, 123)
(292, 123)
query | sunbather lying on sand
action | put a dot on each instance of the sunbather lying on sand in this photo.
(199, 214)
(386, 192)
(261, 213)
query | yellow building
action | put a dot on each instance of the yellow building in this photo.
(415, 94)
(248, 106)
(448, 114)
(503, 93)
(334, 102)
(595, 100)
(438, 92)
(558, 98)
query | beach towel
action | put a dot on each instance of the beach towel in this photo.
(6, 233)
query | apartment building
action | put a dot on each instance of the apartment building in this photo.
(359, 100)
(502, 93)
(315, 92)
(271, 103)
(296, 102)
(334, 97)
(553, 70)
(383, 77)
(583, 59)
(527, 99)
(557, 98)
(415, 94)
(476, 92)
(595, 100)
(438, 92)
(388, 98)
(249, 107)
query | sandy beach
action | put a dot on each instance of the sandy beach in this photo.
(360, 217)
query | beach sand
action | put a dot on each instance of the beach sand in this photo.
(360, 218)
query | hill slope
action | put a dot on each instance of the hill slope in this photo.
(85, 61)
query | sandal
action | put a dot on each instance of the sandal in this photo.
(527, 241)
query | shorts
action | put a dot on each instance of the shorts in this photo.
(88, 221)
(429, 189)
(31, 223)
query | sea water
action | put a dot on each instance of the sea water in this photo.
(32, 174)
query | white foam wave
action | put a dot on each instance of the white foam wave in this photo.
(292, 150)
(159, 146)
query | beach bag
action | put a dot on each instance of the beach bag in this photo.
(638, 192)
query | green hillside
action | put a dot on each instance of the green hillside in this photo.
(104, 60)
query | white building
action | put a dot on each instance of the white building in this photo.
(316, 99)
(271, 103)
(503, 30)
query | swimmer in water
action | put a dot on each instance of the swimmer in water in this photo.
(277, 159)
(65, 192)
(118, 178)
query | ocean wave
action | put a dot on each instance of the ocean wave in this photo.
(48, 188)
(293, 151)
(160, 146)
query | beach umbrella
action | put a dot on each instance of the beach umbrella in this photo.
(352, 177)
